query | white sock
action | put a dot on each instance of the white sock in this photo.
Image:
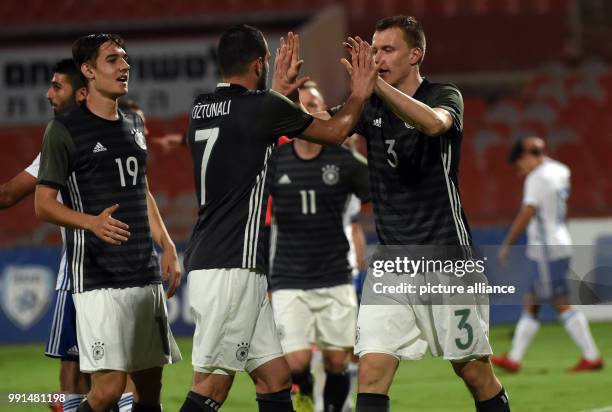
(525, 330)
(125, 402)
(577, 327)
(72, 401)
(318, 373)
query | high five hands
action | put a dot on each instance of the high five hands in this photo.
(287, 64)
(362, 68)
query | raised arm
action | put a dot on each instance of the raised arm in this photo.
(363, 74)
(431, 121)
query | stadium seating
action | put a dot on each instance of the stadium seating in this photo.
(576, 127)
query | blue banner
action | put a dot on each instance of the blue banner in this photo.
(28, 276)
(27, 296)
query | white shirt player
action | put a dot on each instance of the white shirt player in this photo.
(352, 210)
(547, 188)
(63, 281)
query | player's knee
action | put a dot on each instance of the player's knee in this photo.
(272, 381)
(370, 375)
(336, 363)
(109, 393)
(476, 374)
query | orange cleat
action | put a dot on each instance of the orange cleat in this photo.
(587, 365)
(506, 363)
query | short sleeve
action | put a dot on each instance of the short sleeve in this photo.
(32, 170)
(282, 117)
(271, 172)
(449, 98)
(359, 177)
(56, 157)
(533, 191)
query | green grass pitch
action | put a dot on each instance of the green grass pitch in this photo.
(426, 385)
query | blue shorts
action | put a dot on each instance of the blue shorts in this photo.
(548, 279)
(63, 336)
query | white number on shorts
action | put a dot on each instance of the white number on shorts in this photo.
(463, 324)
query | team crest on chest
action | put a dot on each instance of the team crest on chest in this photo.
(331, 174)
(139, 138)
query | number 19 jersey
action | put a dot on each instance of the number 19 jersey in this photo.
(95, 163)
(232, 134)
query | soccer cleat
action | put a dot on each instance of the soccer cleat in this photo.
(587, 365)
(56, 406)
(506, 363)
(303, 403)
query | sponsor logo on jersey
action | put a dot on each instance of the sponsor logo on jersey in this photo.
(242, 352)
(331, 174)
(139, 138)
(97, 350)
(26, 292)
(408, 126)
(377, 122)
(99, 147)
(284, 180)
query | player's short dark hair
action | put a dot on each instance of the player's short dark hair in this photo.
(238, 46)
(410, 26)
(70, 70)
(518, 149)
(87, 48)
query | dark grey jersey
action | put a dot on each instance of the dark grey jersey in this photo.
(95, 163)
(232, 134)
(415, 178)
(309, 248)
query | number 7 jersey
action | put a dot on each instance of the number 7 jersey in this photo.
(232, 134)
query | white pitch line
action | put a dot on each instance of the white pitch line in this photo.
(604, 409)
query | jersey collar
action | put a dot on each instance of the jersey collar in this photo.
(230, 87)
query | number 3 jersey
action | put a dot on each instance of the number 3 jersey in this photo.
(310, 200)
(414, 178)
(232, 134)
(96, 163)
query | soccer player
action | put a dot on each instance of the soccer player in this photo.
(543, 214)
(65, 92)
(414, 130)
(232, 134)
(310, 275)
(95, 156)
